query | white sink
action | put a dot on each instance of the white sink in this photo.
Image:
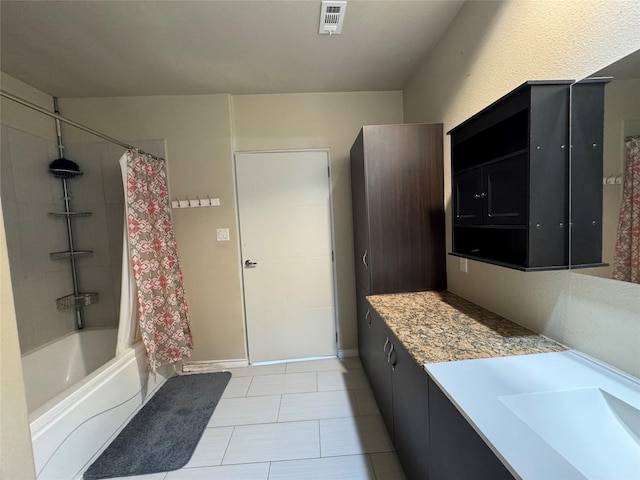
(596, 432)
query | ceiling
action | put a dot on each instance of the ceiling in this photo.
(123, 48)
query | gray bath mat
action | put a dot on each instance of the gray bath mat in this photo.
(163, 435)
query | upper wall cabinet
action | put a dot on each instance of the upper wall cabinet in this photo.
(510, 180)
(397, 185)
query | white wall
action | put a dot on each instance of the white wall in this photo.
(491, 48)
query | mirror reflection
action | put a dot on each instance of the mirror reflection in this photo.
(621, 173)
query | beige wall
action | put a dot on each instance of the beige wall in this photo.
(324, 120)
(197, 132)
(16, 460)
(490, 49)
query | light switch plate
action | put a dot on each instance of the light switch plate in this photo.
(223, 234)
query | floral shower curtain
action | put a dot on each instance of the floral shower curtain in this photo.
(162, 306)
(626, 264)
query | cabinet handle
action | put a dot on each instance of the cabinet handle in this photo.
(368, 318)
(478, 196)
(390, 360)
(384, 348)
(389, 354)
(364, 259)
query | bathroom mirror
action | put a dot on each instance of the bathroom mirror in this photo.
(621, 123)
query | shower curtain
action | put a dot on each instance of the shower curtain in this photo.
(162, 310)
(626, 263)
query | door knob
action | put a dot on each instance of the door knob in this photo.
(250, 264)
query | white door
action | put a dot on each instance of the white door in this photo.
(285, 235)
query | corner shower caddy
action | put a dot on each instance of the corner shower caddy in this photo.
(64, 169)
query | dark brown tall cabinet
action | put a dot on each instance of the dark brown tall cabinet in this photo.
(398, 208)
(399, 240)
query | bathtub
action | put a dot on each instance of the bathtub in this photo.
(70, 428)
(52, 369)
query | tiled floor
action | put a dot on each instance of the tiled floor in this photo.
(313, 420)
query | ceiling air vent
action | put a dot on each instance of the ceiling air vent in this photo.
(331, 17)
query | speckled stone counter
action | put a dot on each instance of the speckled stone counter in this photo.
(443, 327)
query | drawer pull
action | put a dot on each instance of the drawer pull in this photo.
(384, 348)
(367, 317)
(364, 259)
(389, 354)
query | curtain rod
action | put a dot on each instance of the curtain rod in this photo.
(38, 108)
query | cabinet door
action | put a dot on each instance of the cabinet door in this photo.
(505, 186)
(365, 336)
(410, 413)
(379, 371)
(406, 214)
(360, 214)
(468, 197)
(456, 451)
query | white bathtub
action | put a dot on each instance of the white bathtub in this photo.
(72, 428)
(50, 370)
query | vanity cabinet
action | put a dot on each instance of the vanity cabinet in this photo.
(400, 388)
(456, 451)
(410, 413)
(510, 179)
(374, 348)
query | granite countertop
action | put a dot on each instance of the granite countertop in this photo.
(443, 327)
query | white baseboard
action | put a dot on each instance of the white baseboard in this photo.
(348, 352)
(213, 365)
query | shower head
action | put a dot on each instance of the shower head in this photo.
(64, 168)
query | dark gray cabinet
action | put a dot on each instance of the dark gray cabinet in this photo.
(410, 412)
(400, 388)
(432, 439)
(456, 451)
(375, 361)
(587, 125)
(510, 167)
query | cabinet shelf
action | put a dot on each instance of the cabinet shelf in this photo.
(514, 266)
(72, 301)
(493, 227)
(68, 255)
(494, 160)
(70, 214)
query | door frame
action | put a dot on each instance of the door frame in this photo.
(336, 320)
